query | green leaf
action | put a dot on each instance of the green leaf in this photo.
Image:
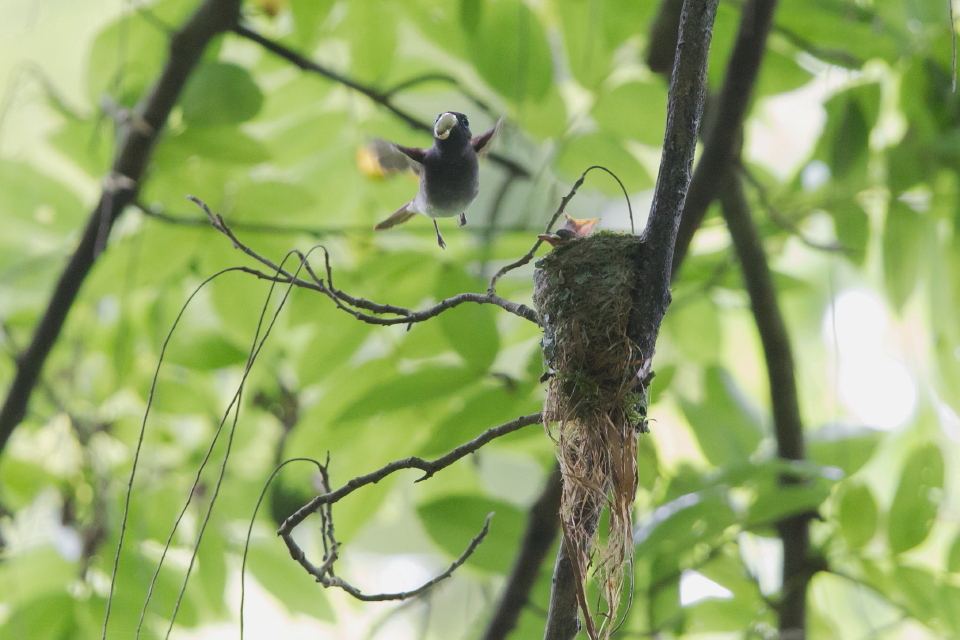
(680, 525)
(370, 29)
(851, 116)
(617, 111)
(272, 200)
(606, 150)
(427, 385)
(226, 144)
(588, 52)
(453, 521)
(780, 72)
(508, 47)
(857, 513)
(470, 328)
(777, 501)
(917, 501)
(487, 408)
(694, 327)
(125, 58)
(34, 574)
(903, 247)
(307, 16)
(726, 430)
(852, 227)
(89, 143)
(271, 565)
(918, 589)
(48, 618)
(218, 94)
(950, 605)
(36, 198)
(843, 447)
(852, 31)
(204, 351)
(953, 560)
(714, 615)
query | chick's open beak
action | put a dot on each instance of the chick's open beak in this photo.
(443, 126)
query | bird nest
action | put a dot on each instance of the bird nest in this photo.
(596, 403)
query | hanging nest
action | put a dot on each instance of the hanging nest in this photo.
(596, 400)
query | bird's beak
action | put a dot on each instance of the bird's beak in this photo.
(446, 122)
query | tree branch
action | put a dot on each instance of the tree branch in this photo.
(542, 527)
(120, 188)
(722, 141)
(342, 299)
(788, 426)
(383, 98)
(322, 503)
(429, 468)
(684, 108)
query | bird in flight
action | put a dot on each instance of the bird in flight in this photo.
(449, 170)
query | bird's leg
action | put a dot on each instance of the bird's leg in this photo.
(443, 245)
(463, 219)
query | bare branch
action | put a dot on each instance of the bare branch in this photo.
(384, 99)
(342, 299)
(429, 468)
(324, 573)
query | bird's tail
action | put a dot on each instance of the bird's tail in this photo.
(399, 216)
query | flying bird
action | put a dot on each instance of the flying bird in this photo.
(572, 228)
(449, 170)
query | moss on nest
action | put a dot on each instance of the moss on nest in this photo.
(584, 292)
(595, 407)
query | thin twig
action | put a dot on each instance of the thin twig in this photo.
(341, 299)
(528, 256)
(323, 576)
(324, 573)
(781, 220)
(429, 468)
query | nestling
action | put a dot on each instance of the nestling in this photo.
(572, 228)
(449, 171)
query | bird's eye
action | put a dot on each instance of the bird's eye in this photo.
(466, 122)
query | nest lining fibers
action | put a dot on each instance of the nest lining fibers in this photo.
(595, 406)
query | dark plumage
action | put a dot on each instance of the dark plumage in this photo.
(449, 171)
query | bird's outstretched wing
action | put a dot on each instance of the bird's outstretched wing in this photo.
(382, 158)
(481, 143)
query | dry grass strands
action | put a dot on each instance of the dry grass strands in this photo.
(596, 401)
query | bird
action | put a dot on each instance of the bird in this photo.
(572, 228)
(449, 170)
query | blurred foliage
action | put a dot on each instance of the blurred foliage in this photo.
(264, 143)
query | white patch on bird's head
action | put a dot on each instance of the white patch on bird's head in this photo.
(445, 122)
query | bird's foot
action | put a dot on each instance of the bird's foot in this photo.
(463, 219)
(443, 245)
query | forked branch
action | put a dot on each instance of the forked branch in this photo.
(322, 504)
(354, 305)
